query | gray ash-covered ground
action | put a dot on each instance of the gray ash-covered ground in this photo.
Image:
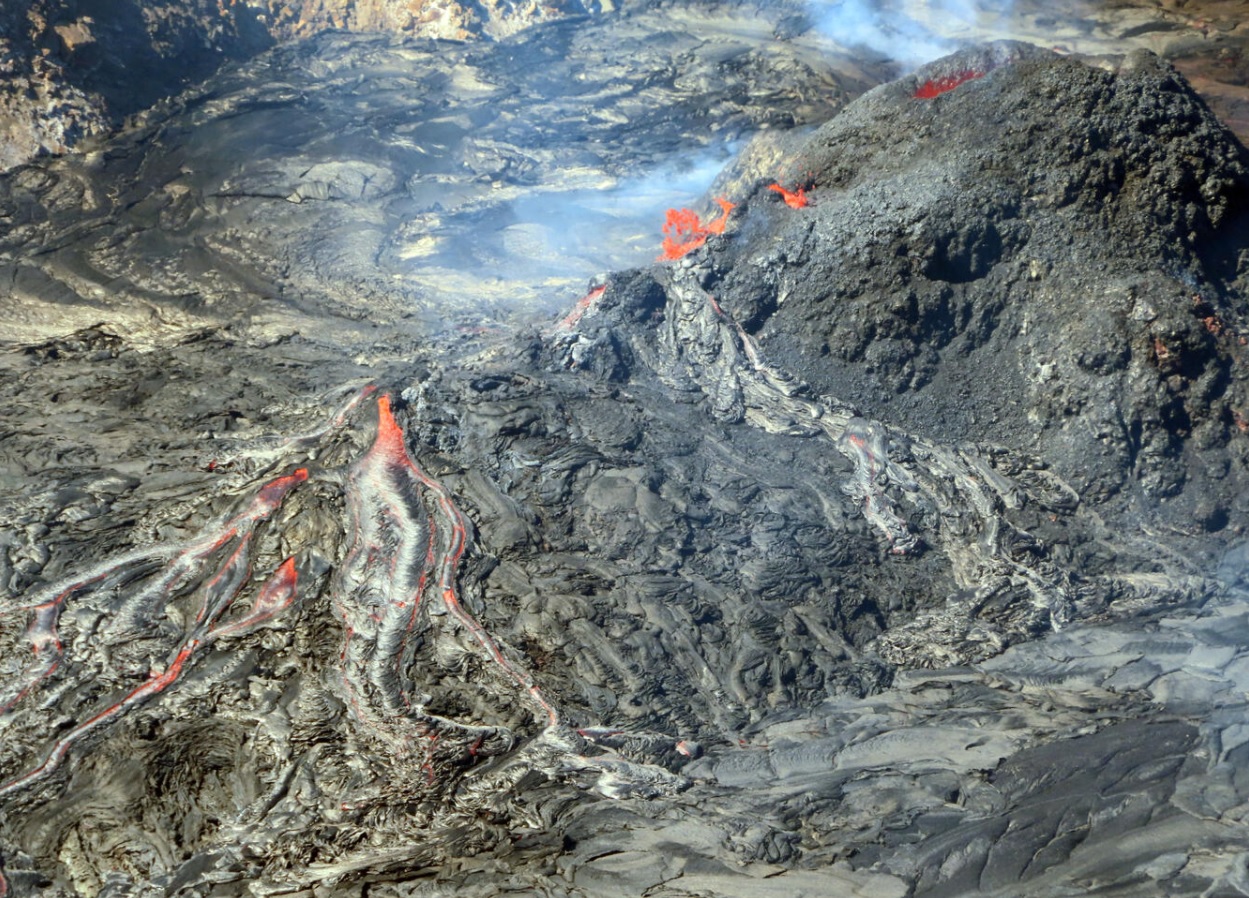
(886, 546)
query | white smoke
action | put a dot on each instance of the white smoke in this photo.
(908, 33)
(556, 236)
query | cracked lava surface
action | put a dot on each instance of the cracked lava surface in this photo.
(871, 545)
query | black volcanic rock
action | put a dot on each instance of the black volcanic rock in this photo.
(328, 573)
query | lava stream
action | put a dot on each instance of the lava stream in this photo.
(185, 563)
(277, 594)
(382, 580)
(397, 545)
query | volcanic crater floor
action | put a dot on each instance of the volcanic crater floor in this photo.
(886, 539)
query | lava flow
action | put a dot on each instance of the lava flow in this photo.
(685, 232)
(411, 667)
(277, 594)
(407, 540)
(864, 442)
(796, 199)
(401, 550)
(583, 305)
(184, 566)
(935, 87)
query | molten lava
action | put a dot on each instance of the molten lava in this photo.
(794, 200)
(935, 87)
(717, 226)
(685, 232)
(408, 538)
(583, 305)
(278, 593)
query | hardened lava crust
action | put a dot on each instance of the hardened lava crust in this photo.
(883, 536)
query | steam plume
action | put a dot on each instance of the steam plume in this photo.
(909, 34)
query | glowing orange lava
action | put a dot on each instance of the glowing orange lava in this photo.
(935, 87)
(279, 592)
(717, 226)
(795, 200)
(584, 304)
(399, 542)
(183, 561)
(685, 232)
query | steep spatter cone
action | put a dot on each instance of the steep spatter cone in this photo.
(685, 232)
(794, 199)
(1017, 267)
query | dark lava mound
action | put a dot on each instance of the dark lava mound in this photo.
(1040, 254)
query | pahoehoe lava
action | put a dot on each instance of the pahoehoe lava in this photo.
(887, 540)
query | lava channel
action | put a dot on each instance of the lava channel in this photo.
(401, 551)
